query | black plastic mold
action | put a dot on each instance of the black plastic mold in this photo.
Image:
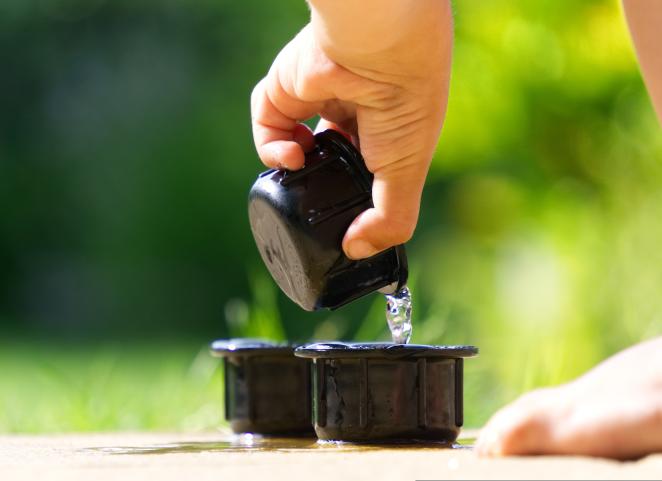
(387, 392)
(267, 388)
(299, 218)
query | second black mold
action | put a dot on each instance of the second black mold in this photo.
(387, 392)
(267, 388)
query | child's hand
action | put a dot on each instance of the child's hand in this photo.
(614, 411)
(379, 71)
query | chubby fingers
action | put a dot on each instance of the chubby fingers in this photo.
(280, 139)
(396, 194)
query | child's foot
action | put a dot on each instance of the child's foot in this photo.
(615, 410)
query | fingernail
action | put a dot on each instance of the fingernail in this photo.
(360, 249)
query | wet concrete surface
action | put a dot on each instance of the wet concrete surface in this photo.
(222, 456)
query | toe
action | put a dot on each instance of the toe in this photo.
(523, 427)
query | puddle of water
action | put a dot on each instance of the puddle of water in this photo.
(255, 442)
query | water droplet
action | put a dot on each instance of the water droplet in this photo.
(398, 315)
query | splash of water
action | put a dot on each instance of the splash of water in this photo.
(398, 315)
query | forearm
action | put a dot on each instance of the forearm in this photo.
(396, 34)
(645, 21)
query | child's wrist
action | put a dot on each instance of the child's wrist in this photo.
(421, 37)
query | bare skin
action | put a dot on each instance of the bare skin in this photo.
(379, 71)
(615, 411)
(645, 21)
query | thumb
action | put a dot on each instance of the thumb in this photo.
(396, 194)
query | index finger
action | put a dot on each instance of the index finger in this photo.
(280, 139)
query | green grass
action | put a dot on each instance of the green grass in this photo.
(105, 387)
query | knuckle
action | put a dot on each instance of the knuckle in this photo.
(301, 87)
(400, 231)
(311, 78)
(383, 95)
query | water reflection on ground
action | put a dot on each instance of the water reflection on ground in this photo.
(255, 442)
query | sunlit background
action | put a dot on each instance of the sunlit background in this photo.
(126, 158)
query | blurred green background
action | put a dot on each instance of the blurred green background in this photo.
(125, 161)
